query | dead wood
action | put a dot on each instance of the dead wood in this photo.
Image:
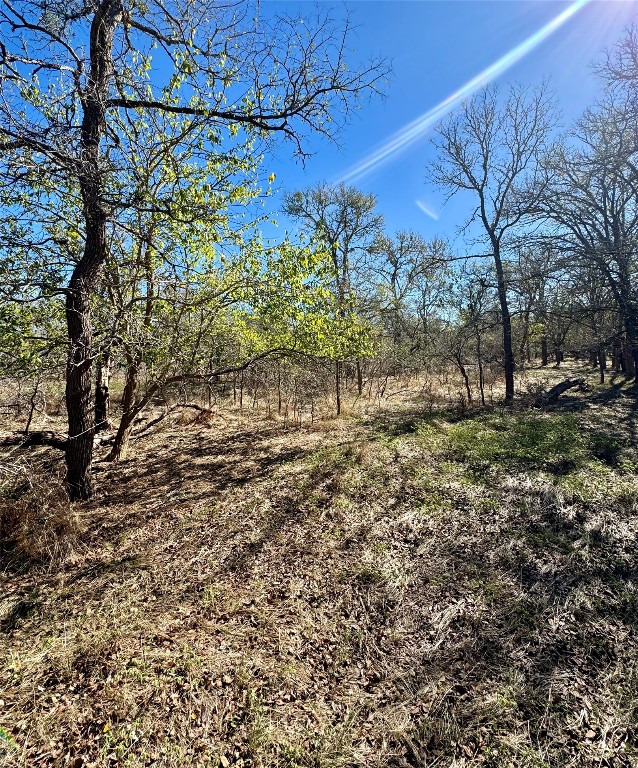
(552, 395)
(39, 437)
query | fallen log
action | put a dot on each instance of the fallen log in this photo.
(552, 395)
(39, 437)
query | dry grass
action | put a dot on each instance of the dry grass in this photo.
(370, 592)
(37, 521)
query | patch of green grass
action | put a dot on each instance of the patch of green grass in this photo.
(342, 473)
(595, 484)
(605, 447)
(442, 579)
(546, 539)
(333, 457)
(535, 441)
(8, 744)
(556, 442)
(522, 615)
(492, 591)
(433, 503)
(365, 575)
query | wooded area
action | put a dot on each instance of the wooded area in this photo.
(148, 320)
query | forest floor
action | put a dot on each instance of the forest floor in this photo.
(406, 588)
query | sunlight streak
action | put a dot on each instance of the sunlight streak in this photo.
(416, 129)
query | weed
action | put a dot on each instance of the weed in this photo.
(365, 575)
(8, 748)
(546, 539)
(492, 591)
(292, 756)
(605, 447)
(433, 504)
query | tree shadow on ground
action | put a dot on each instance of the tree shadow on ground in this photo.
(198, 467)
(543, 595)
(542, 635)
(449, 618)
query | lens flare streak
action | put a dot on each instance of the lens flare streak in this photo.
(414, 131)
(428, 211)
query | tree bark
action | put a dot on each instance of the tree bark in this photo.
(629, 359)
(523, 350)
(617, 355)
(631, 347)
(602, 358)
(129, 412)
(102, 397)
(509, 365)
(79, 452)
(39, 437)
(466, 379)
(544, 353)
(338, 386)
(479, 357)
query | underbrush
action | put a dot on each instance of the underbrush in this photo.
(37, 521)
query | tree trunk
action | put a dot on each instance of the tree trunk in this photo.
(555, 392)
(102, 397)
(129, 412)
(79, 452)
(359, 378)
(466, 380)
(338, 386)
(544, 353)
(631, 345)
(479, 357)
(617, 355)
(32, 406)
(509, 365)
(602, 357)
(629, 359)
(523, 350)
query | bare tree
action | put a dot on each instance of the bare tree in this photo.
(490, 149)
(619, 69)
(590, 196)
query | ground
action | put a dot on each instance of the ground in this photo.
(410, 587)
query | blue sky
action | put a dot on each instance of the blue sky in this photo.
(435, 47)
